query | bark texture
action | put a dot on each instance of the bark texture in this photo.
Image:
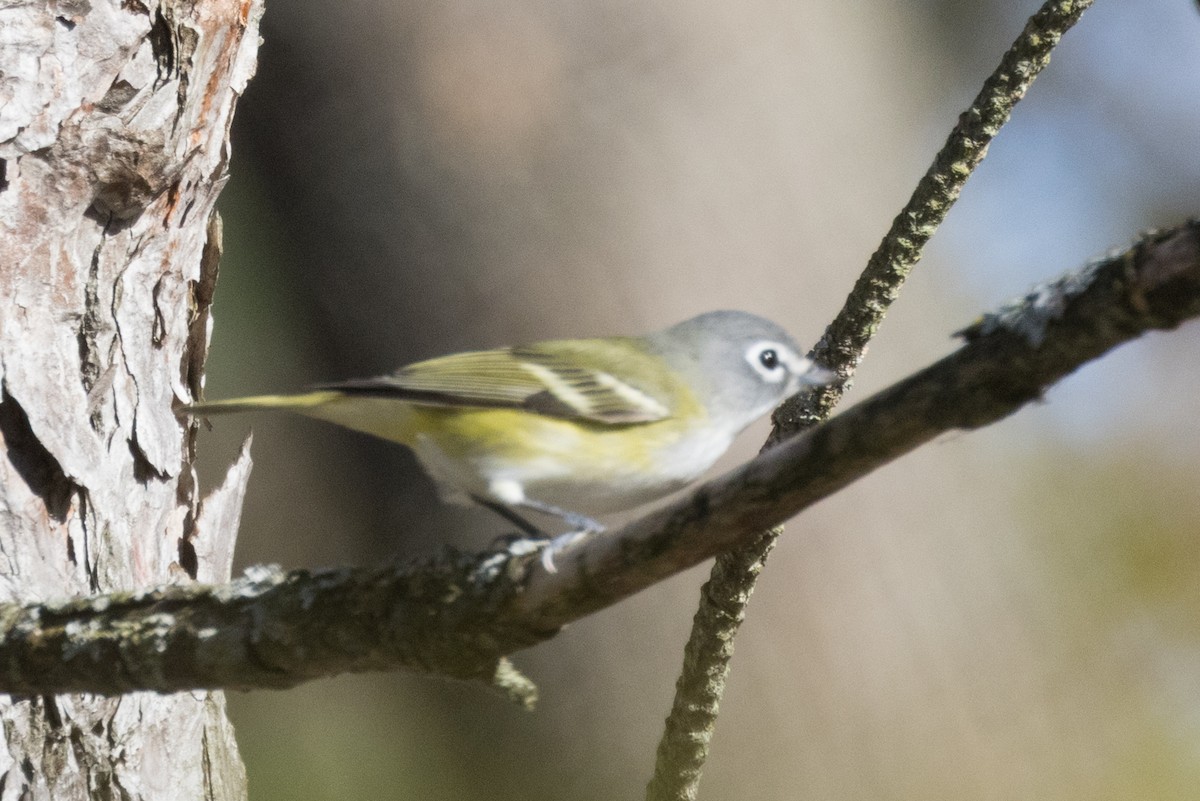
(114, 124)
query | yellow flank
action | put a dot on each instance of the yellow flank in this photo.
(591, 451)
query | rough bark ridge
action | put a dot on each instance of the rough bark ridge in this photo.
(114, 123)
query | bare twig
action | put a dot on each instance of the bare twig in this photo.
(701, 684)
(458, 615)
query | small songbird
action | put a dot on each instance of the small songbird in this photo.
(571, 427)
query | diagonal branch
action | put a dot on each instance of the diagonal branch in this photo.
(459, 615)
(701, 684)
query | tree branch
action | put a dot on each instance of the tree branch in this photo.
(457, 615)
(701, 684)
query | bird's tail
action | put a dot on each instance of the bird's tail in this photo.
(301, 403)
(384, 418)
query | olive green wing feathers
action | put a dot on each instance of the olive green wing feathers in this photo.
(574, 379)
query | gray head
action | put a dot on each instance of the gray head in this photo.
(744, 365)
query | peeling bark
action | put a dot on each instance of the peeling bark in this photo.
(114, 126)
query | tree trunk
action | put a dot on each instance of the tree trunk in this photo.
(114, 122)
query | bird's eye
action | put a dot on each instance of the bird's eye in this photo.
(771, 360)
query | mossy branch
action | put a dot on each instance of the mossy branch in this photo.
(459, 615)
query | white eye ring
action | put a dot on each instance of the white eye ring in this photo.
(769, 360)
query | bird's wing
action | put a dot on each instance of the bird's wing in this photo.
(545, 378)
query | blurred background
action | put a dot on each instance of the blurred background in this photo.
(1008, 613)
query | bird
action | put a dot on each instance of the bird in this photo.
(569, 428)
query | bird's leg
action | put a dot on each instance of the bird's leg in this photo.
(508, 514)
(581, 525)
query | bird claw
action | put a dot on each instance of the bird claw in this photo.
(561, 543)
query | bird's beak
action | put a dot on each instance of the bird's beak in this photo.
(818, 376)
(814, 375)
